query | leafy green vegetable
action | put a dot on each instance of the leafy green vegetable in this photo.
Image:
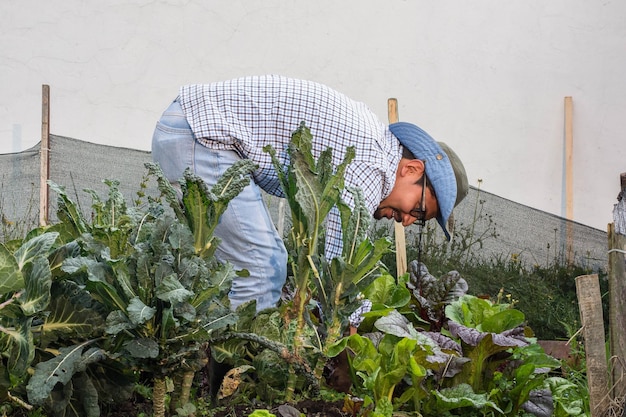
(432, 295)
(60, 369)
(261, 413)
(462, 396)
(312, 189)
(381, 368)
(144, 284)
(478, 355)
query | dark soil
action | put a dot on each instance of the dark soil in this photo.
(310, 408)
(130, 408)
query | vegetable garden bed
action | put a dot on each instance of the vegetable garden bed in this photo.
(127, 304)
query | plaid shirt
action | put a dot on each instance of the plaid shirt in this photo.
(248, 113)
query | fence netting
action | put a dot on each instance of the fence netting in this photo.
(504, 227)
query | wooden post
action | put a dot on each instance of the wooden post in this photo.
(44, 156)
(617, 292)
(569, 179)
(401, 262)
(590, 305)
(281, 217)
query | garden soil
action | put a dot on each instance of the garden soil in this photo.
(337, 379)
(310, 408)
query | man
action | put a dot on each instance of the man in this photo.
(210, 126)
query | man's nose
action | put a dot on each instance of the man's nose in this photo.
(407, 219)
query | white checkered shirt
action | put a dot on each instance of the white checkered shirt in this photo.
(245, 114)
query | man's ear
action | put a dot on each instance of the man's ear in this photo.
(413, 167)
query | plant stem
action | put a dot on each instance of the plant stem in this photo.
(158, 397)
(291, 384)
(316, 274)
(185, 388)
(184, 380)
(19, 401)
(300, 300)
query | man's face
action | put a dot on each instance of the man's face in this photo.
(405, 200)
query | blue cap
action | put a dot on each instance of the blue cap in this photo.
(444, 169)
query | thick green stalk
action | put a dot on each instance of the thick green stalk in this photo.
(185, 388)
(477, 376)
(331, 338)
(290, 389)
(158, 397)
(300, 301)
(334, 332)
(180, 398)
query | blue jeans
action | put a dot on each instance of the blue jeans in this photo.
(248, 237)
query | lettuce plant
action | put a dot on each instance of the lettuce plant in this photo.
(382, 363)
(505, 359)
(471, 353)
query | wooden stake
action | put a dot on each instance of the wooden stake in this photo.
(617, 293)
(44, 156)
(569, 177)
(392, 110)
(281, 217)
(590, 305)
(401, 262)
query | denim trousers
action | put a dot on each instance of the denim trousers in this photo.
(248, 238)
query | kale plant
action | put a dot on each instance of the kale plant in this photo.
(295, 338)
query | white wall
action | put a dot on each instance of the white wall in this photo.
(486, 76)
